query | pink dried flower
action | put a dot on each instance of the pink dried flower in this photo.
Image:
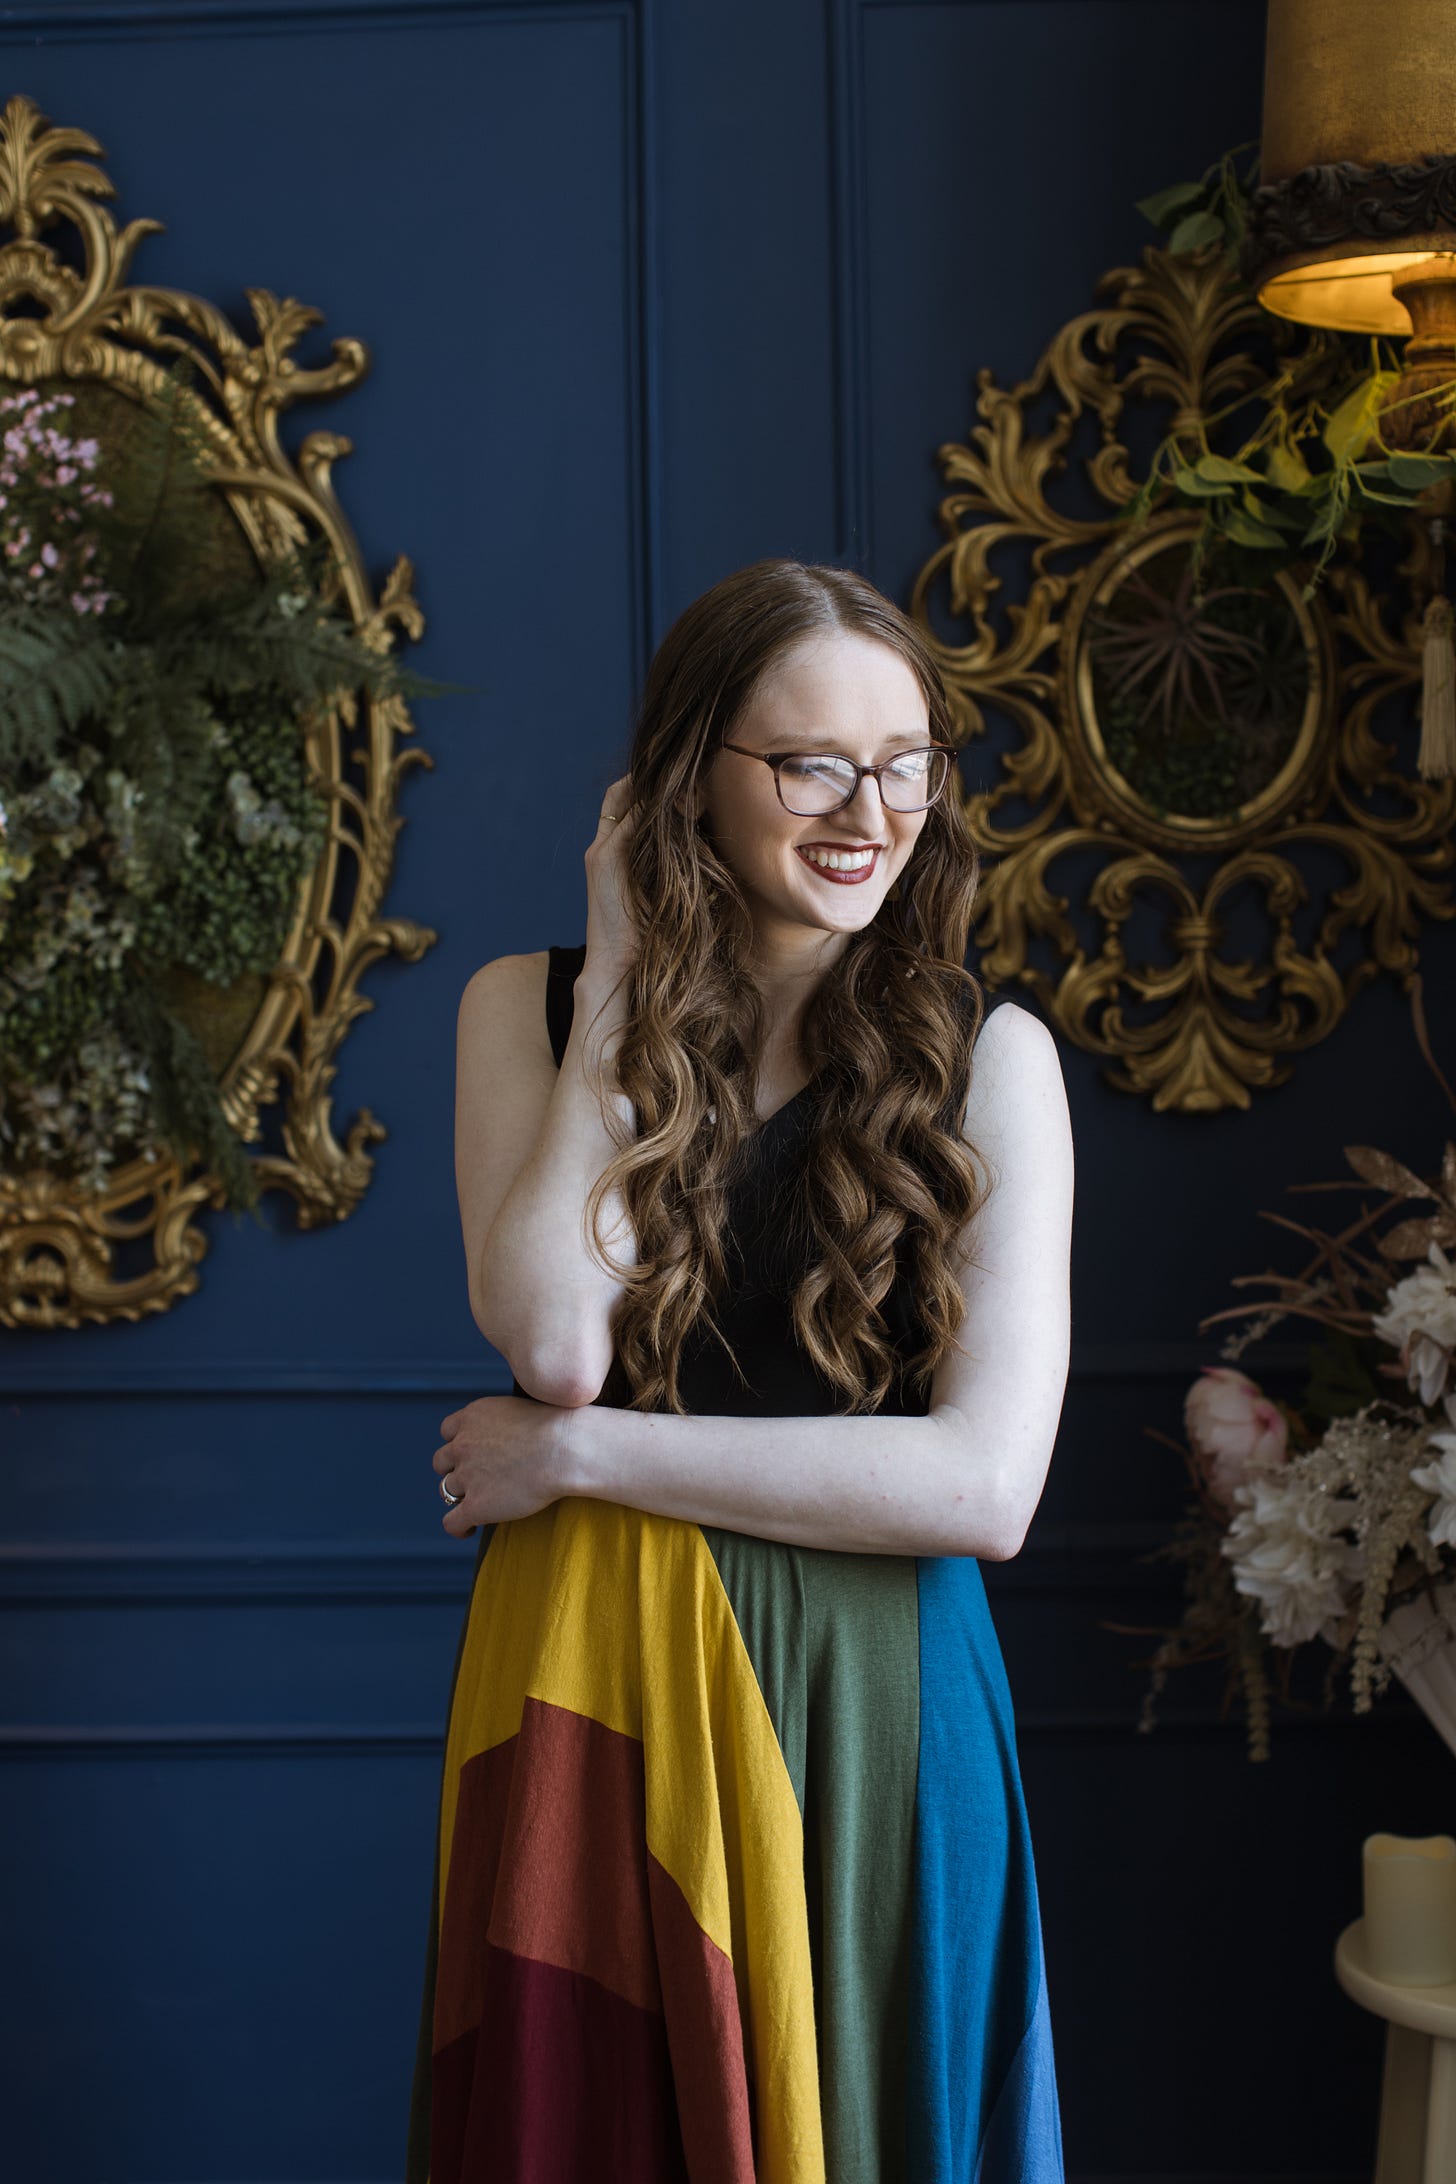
(1233, 1428)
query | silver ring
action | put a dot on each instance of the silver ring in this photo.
(447, 1496)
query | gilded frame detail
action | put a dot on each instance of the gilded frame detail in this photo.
(58, 1244)
(1183, 1024)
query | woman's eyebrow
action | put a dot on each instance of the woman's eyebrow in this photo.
(905, 739)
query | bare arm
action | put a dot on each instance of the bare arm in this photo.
(536, 1290)
(881, 1486)
(966, 1477)
(532, 1143)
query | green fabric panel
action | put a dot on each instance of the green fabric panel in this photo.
(765, 1587)
(835, 1644)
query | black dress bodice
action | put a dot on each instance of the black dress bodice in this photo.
(755, 1314)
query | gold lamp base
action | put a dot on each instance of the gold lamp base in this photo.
(1418, 416)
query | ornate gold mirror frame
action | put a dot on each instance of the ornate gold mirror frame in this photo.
(1300, 772)
(60, 1246)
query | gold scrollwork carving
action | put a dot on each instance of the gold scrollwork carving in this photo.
(66, 1255)
(1299, 774)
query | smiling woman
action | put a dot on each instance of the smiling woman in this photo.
(735, 1881)
(876, 700)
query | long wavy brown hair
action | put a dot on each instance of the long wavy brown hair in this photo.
(888, 1031)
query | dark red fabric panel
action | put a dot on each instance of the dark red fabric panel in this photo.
(563, 1942)
(549, 1860)
(561, 2082)
(705, 2035)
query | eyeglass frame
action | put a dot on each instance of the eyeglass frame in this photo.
(776, 759)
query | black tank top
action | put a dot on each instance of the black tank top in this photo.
(755, 1314)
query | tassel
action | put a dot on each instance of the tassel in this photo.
(1437, 759)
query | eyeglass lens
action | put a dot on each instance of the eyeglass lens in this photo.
(818, 784)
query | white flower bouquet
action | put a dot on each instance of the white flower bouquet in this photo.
(1333, 1518)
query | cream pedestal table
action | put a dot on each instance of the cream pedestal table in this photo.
(1417, 2143)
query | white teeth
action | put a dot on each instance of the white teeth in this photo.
(838, 860)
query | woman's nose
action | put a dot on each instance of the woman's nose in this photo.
(866, 808)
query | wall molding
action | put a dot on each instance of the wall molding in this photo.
(1091, 1562)
(1070, 1559)
(648, 323)
(279, 18)
(71, 21)
(458, 1380)
(220, 1740)
(848, 229)
(50, 1741)
(148, 1572)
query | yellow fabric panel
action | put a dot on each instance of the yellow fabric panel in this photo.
(621, 1616)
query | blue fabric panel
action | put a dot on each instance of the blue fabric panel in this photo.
(983, 2102)
(1023, 2144)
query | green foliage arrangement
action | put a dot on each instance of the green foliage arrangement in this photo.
(1312, 469)
(157, 815)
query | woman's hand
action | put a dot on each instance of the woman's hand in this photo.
(612, 939)
(503, 1454)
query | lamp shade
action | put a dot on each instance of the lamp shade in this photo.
(1358, 159)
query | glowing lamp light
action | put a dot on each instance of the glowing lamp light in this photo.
(1357, 162)
(1353, 226)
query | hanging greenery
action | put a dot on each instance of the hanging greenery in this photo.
(1308, 467)
(157, 814)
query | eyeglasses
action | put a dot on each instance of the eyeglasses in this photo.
(811, 783)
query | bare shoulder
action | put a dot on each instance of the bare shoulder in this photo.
(1011, 1031)
(511, 973)
(1017, 1095)
(506, 1001)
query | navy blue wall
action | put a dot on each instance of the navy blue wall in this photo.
(653, 288)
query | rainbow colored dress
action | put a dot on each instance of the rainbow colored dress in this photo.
(734, 1880)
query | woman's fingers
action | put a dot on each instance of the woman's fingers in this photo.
(611, 934)
(617, 803)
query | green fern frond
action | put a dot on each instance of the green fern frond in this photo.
(186, 1107)
(58, 672)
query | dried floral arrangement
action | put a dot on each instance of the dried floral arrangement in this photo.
(1317, 1520)
(157, 813)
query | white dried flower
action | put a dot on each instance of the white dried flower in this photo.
(1285, 1551)
(1420, 1321)
(1439, 1478)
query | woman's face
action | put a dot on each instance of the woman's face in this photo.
(839, 692)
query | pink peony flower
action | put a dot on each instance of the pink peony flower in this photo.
(1233, 1428)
